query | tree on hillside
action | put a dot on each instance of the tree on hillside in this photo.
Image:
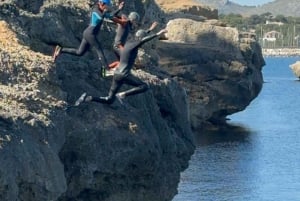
(281, 18)
(255, 19)
(267, 15)
(233, 20)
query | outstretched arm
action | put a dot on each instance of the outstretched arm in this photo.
(122, 21)
(116, 19)
(153, 25)
(148, 38)
(161, 32)
(116, 12)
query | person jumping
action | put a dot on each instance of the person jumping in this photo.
(123, 73)
(122, 32)
(99, 12)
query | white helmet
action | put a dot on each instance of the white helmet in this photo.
(141, 33)
(134, 16)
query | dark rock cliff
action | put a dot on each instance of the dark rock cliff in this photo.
(100, 152)
(219, 68)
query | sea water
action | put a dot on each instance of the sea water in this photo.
(259, 158)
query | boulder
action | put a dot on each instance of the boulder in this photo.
(220, 72)
(295, 67)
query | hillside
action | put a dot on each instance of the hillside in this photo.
(281, 7)
(277, 7)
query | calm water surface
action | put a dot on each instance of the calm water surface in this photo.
(259, 158)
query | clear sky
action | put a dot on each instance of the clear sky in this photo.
(251, 2)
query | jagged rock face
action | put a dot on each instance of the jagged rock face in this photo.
(30, 141)
(221, 74)
(117, 153)
(94, 152)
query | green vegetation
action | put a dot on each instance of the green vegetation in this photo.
(271, 31)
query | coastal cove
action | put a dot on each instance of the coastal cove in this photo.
(257, 158)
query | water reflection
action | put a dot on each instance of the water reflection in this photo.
(228, 132)
(222, 168)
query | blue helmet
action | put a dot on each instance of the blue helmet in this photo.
(107, 2)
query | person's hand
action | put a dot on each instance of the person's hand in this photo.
(121, 5)
(154, 24)
(162, 31)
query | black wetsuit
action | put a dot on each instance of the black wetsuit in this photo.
(89, 36)
(122, 33)
(123, 73)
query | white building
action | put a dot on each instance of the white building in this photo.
(272, 36)
(276, 23)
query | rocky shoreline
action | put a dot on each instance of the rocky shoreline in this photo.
(280, 52)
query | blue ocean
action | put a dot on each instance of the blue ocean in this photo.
(258, 159)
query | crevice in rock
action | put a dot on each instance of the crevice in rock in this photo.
(32, 6)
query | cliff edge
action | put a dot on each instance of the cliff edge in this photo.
(219, 67)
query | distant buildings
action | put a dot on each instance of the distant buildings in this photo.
(274, 22)
(272, 36)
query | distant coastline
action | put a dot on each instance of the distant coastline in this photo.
(281, 52)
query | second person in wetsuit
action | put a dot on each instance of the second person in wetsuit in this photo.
(123, 73)
(122, 33)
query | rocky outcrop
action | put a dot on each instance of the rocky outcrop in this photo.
(220, 70)
(187, 9)
(295, 67)
(92, 152)
(110, 153)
